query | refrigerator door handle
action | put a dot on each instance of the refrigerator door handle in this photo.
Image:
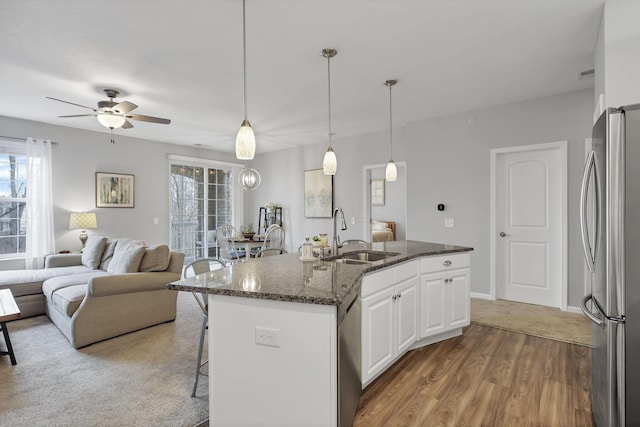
(588, 168)
(588, 313)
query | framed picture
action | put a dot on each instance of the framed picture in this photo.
(377, 192)
(318, 194)
(115, 190)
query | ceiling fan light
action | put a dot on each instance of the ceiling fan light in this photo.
(391, 173)
(110, 120)
(330, 163)
(249, 179)
(245, 142)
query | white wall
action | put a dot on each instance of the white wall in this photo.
(447, 162)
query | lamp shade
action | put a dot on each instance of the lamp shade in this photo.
(391, 173)
(330, 163)
(82, 220)
(245, 142)
(110, 120)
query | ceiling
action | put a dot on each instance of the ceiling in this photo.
(183, 61)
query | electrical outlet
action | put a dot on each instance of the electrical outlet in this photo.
(267, 336)
(353, 220)
(448, 223)
(155, 221)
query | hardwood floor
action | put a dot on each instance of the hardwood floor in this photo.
(486, 377)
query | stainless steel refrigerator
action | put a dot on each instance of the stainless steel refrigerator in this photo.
(610, 223)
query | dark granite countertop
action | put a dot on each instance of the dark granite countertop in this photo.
(287, 278)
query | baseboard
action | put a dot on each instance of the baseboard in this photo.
(481, 296)
(576, 310)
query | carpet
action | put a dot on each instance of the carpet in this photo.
(140, 379)
(540, 321)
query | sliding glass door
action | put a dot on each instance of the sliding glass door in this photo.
(201, 201)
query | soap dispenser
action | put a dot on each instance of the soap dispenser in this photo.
(307, 250)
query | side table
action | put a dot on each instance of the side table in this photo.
(8, 311)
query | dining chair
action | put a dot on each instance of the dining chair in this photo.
(200, 266)
(353, 242)
(229, 254)
(273, 239)
(270, 252)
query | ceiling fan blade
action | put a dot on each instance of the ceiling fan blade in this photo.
(127, 125)
(124, 107)
(72, 103)
(148, 119)
(78, 115)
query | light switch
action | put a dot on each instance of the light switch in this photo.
(155, 221)
(353, 220)
(448, 223)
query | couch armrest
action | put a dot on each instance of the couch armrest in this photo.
(62, 260)
(129, 283)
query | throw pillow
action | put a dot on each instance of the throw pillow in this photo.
(92, 252)
(107, 256)
(156, 258)
(126, 257)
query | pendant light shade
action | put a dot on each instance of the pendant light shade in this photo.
(245, 139)
(249, 179)
(391, 173)
(330, 162)
(245, 142)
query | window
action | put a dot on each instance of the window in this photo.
(202, 199)
(13, 203)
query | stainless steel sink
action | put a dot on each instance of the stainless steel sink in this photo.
(364, 256)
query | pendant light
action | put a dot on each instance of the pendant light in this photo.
(249, 179)
(391, 173)
(330, 163)
(245, 139)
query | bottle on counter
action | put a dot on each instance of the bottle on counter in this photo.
(306, 250)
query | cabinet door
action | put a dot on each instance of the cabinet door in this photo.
(406, 307)
(377, 332)
(433, 304)
(459, 297)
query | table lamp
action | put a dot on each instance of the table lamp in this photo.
(83, 221)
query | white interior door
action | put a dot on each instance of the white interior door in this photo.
(530, 223)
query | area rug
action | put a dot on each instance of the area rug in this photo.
(140, 379)
(540, 321)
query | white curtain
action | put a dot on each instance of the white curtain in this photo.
(39, 213)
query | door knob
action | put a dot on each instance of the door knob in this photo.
(503, 234)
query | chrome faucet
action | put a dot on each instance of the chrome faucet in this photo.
(336, 241)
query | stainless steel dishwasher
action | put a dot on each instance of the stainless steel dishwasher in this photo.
(349, 357)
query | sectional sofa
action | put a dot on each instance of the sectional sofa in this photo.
(114, 287)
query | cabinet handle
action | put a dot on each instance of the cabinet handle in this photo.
(447, 263)
(399, 295)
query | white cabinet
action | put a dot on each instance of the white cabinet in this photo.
(444, 294)
(389, 317)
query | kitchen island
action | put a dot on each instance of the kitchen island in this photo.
(292, 343)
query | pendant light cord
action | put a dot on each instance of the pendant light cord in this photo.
(390, 126)
(329, 97)
(244, 55)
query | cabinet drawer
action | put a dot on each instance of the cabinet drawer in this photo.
(444, 262)
(375, 282)
(406, 271)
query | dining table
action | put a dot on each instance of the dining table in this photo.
(248, 244)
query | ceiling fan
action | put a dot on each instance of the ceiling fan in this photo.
(112, 114)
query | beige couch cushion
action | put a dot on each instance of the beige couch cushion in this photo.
(126, 257)
(69, 299)
(93, 250)
(156, 258)
(28, 282)
(107, 256)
